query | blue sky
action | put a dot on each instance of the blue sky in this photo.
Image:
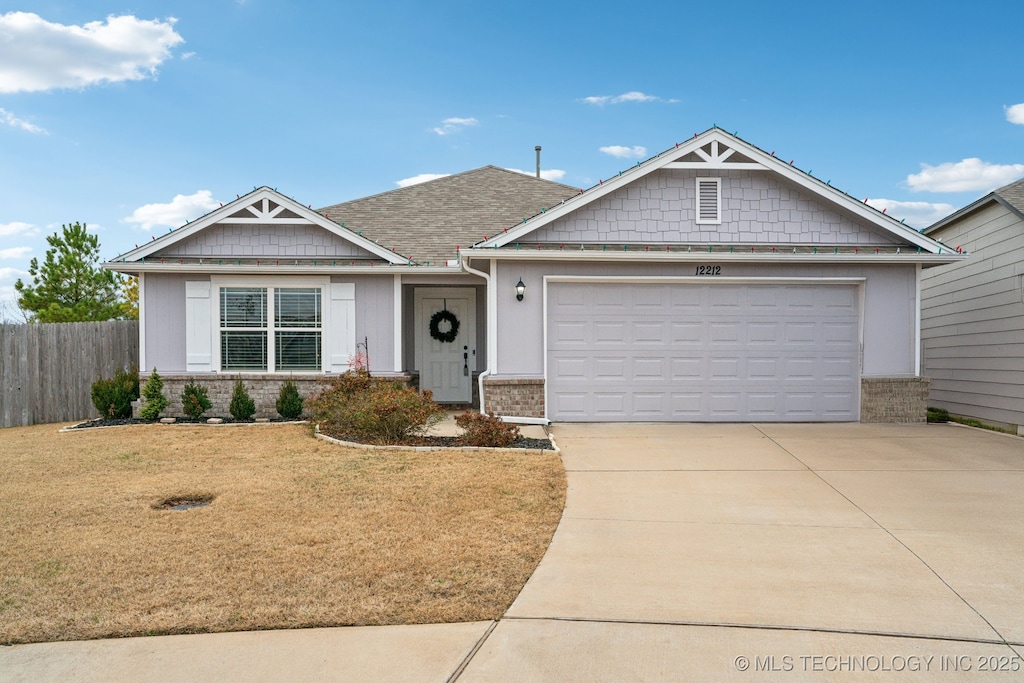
(135, 116)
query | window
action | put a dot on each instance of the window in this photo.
(270, 329)
(709, 200)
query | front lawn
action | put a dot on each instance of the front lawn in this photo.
(300, 532)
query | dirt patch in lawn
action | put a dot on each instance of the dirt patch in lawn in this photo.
(299, 532)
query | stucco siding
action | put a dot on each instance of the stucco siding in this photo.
(888, 324)
(295, 241)
(757, 208)
(164, 307)
(972, 319)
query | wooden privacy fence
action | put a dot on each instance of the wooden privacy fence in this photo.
(47, 371)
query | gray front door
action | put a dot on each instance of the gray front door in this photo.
(737, 352)
(446, 367)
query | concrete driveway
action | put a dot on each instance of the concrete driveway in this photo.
(698, 552)
(815, 552)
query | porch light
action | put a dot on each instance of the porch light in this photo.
(520, 290)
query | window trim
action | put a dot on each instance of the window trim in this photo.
(271, 283)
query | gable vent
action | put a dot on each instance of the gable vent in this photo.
(709, 200)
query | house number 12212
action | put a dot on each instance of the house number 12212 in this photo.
(709, 270)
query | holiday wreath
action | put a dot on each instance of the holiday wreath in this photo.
(435, 326)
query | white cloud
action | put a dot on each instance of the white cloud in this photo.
(15, 252)
(173, 214)
(964, 176)
(631, 96)
(421, 178)
(547, 174)
(37, 55)
(12, 120)
(1015, 113)
(635, 152)
(915, 214)
(17, 228)
(188, 55)
(454, 125)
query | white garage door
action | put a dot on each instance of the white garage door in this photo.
(702, 352)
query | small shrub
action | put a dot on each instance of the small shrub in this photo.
(242, 406)
(153, 392)
(289, 403)
(194, 400)
(113, 397)
(938, 415)
(379, 411)
(486, 430)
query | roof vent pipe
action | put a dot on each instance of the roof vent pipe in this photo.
(537, 150)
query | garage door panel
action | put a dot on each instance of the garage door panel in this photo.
(686, 368)
(704, 353)
(725, 332)
(606, 367)
(650, 404)
(564, 332)
(610, 404)
(684, 334)
(650, 368)
(650, 332)
(609, 332)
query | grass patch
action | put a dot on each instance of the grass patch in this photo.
(971, 422)
(299, 532)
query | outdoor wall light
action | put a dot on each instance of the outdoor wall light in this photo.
(520, 290)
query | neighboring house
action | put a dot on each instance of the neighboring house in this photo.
(972, 315)
(713, 282)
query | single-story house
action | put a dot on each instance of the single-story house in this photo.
(712, 282)
(972, 312)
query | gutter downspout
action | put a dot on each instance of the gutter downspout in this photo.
(486, 373)
(492, 357)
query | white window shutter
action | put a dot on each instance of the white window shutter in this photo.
(709, 200)
(198, 327)
(340, 335)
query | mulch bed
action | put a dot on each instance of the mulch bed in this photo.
(442, 441)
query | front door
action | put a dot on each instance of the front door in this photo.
(445, 322)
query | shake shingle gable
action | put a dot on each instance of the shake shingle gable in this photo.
(426, 222)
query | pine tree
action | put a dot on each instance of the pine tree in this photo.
(69, 286)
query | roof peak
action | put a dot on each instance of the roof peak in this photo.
(451, 177)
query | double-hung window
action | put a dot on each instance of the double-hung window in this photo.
(271, 329)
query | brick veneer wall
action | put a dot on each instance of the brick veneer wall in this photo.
(523, 397)
(894, 399)
(263, 389)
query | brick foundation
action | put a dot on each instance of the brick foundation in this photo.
(894, 399)
(263, 389)
(522, 397)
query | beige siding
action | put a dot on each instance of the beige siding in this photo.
(972, 319)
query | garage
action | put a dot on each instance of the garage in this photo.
(699, 351)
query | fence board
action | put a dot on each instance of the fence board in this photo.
(47, 371)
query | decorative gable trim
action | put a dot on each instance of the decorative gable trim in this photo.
(715, 150)
(262, 206)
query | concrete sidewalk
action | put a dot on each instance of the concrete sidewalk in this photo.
(697, 552)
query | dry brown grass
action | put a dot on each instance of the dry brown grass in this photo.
(301, 532)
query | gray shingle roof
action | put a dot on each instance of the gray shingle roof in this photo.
(1013, 194)
(426, 222)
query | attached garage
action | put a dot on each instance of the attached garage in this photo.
(693, 350)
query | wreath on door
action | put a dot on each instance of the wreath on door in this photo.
(444, 336)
